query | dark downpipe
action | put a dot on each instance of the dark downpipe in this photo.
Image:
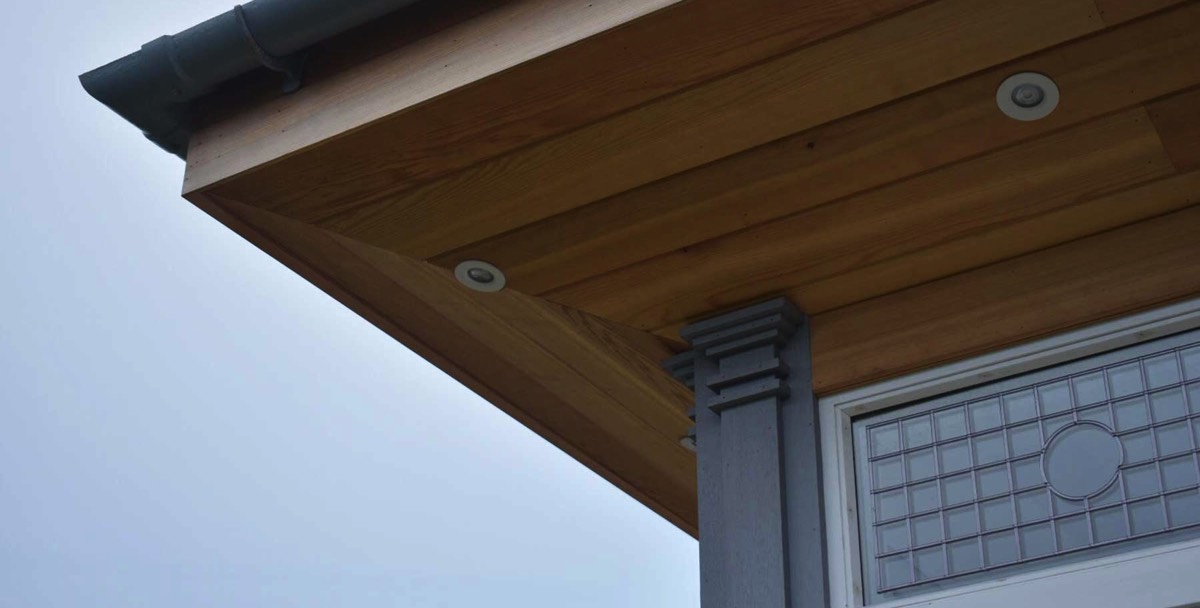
(154, 87)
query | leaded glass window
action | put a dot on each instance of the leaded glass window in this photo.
(1086, 458)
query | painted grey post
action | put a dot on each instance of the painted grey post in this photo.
(762, 540)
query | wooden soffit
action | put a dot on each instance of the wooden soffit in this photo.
(635, 165)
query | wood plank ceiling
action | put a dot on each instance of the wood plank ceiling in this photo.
(632, 166)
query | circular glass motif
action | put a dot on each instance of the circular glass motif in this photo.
(1081, 460)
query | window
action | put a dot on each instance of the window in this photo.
(1084, 453)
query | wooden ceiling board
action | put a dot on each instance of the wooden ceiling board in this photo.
(450, 55)
(1070, 285)
(918, 49)
(491, 85)
(1001, 242)
(1120, 11)
(953, 202)
(1116, 69)
(1178, 121)
(559, 372)
(633, 165)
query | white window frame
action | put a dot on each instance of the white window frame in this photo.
(1158, 577)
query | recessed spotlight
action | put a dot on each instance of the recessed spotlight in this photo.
(1027, 96)
(479, 275)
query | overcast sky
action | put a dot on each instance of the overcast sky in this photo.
(184, 422)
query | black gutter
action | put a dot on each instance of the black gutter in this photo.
(154, 87)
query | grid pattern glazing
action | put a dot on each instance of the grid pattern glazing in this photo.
(961, 488)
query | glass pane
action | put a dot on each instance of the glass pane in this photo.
(1147, 516)
(1050, 425)
(985, 415)
(1168, 405)
(950, 423)
(923, 497)
(1024, 439)
(1063, 506)
(1183, 508)
(1162, 370)
(1037, 540)
(930, 563)
(1072, 532)
(1089, 388)
(988, 448)
(1173, 438)
(962, 521)
(1125, 380)
(896, 570)
(893, 537)
(1138, 446)
(1131, 413)
(1110, 496)
(1054, 397)
(999, 548)
(992, 481)
(1191, 362)
(921, 464)
(917, 432)
(1179, 473)
(888, 472)
(955, 456)
(964, 556)
(1109, 524)
(1082, 460)
(927, 529)
(1141, 480)
(884, 440)
(1099, 413)
(890, 504)
(958, 489)
(1033, 506)
(1027, 473)
(1020, 406)
(997, 513)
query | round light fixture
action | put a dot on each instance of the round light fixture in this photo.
(479, 275)
(1027, 96)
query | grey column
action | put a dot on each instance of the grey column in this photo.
(762, 537)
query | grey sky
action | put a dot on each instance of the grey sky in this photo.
(184, 422)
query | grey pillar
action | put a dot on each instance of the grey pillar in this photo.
(762, 536)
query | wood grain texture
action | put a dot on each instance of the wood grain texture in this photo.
(1120, 11)
(1100, 74)
(1178, 121)
(418, 70)
(1003, 242)
(525, 71)
(948, 204)
(645, 162)
(1117, 272)
(561, 372)
(901, 55)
